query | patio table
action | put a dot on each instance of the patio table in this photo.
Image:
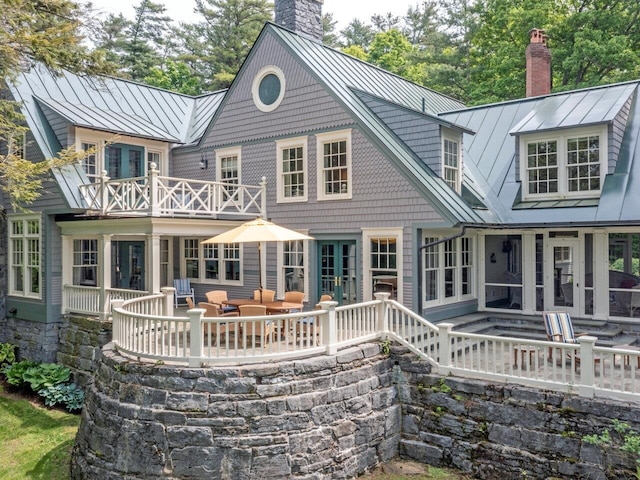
(236, 302)
(283, 307)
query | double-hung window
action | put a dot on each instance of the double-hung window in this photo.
(25, 274)
(292, 261)
(382, 262)
(228, 171)
(451, 162)
(334, 165)
(211, 263)
(448, 270)
(85, 262)
(90, 161)
(564, 164)
(292, 170)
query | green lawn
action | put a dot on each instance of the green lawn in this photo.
(35, 442)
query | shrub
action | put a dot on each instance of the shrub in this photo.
(67, 394)
(7, 354)
(15, 372)
(46, 375)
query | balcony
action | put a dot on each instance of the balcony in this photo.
(156, 196)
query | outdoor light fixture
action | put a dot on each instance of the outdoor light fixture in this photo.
(204, 163)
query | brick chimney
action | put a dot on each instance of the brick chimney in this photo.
(302, 16)
(538, 64)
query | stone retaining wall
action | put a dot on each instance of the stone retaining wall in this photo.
(36, 341)
(80, 345)
(328, 417)
(509, 432)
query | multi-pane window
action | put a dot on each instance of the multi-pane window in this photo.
(211, 256)
(383, 252)
(165, 261)
(114, 161)
(228, 171)
(135, 163)
(231, 261)
(334, 166)
(191, 258)
(542, 167)
(153, 158)
(90, 161)
(292, 170)
(25, 276)
(451, 163)
(448, 269)
(564, 165)
(85, 262)
(293, 266)
(583, 163)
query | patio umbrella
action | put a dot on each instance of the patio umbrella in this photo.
(257, 231)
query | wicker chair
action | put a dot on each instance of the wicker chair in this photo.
(268, 296)
(255, 331)
(218, 297)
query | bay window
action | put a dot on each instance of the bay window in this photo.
(449, 270)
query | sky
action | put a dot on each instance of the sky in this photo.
(343, 10)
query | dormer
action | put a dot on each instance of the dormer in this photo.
(451, 155)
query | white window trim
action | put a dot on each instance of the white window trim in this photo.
(201, 264)
(457, 140)
(561, 138)
(228, 152)
(367, 235)
(321, 139)
(441, 299)
(255, 88)
(280, 262)
(26, 293)
(280, 146)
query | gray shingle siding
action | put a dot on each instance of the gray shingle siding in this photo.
(616, 132)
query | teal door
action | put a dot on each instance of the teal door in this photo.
(337, 270)
(124, 161)
(127, 266)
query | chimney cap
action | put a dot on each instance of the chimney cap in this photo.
(537, 36)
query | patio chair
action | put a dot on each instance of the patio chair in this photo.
(294, 297)
(255, 329)
(183, 290)
(218, 297)
(325, 297)
(560, 329)
(268, 296)
(211, 310)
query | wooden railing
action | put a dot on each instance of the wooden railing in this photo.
(146, 329)
(158, 196)
(90, 300)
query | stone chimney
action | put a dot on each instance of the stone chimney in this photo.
(538, 64)
(302, 16)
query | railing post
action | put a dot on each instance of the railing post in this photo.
(263, 198)
(117, 327)
(195, 336)
(104, 192)
(167, 307)
(444, 348)
(154, 208)
(587, 366)
(381, 312)
(329, 327)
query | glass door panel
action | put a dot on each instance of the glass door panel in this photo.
(565, 288)
(338, 270)
(127, 268)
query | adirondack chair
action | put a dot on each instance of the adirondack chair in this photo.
(183, 290)
(560, 329)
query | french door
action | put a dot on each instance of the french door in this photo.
(337, 269)
(127, 267)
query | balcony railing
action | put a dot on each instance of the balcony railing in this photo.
(146, 328)
(157, 196)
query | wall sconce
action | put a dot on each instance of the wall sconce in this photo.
(204, 163)
(492, 258)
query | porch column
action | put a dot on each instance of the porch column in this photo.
(67, 268)
(481, 273)
(104, 274)
(528, 273)
(600, 275)
(153, 263)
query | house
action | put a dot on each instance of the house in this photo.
(521, 206)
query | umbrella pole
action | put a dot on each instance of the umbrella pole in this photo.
(260, 268)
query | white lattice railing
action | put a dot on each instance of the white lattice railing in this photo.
(146, 328)
(156, 196)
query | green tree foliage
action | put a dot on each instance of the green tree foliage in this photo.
(227, 34)
(174, 76)
(358, 33)
(46, 33)
(329, 35)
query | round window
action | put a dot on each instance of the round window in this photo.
(268, 88)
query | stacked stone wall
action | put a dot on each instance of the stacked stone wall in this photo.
(36, 341)
(80, 345)
(510, 432)
(326, 417)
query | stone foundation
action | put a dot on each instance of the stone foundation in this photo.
(327, 417)
(36, 341)
(81, 342)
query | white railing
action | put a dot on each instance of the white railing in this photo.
(92, 300)
(146, 329)
(156, 196)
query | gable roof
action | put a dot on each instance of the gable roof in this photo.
(345, 78)
(111, 105)
(489, 156)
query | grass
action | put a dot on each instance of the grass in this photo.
(407, 470)
(35, 442)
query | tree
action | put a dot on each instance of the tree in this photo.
(229, 29)
(47, 33)
(391, 51)
(358, 33)
(111, 39)
(329, 37)
(386, 22)
(175, 76)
